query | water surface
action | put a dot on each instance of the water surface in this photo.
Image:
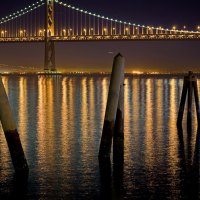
(60, 121)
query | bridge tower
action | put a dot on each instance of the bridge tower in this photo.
(49, 63)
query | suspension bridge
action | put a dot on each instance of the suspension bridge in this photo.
(52, 21)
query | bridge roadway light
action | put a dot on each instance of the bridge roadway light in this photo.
(84, 30)
(113, 31)
(69, 31)
(105, 30)
(198, 28)
(174, 29)
(21, 33)
(127, 29)
(40, 32)
(64, 32)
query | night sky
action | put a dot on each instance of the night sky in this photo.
(145, 56)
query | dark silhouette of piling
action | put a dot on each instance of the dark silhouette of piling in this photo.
(196, 96)
(11, 133)
(118, 136)
(190, 95)
(182, 103)
(190, 87)
(111, 108)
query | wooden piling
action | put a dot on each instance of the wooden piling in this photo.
(182, 103)
(11, 133)
(190, 93)
(190, 86)
(196, 96)
(111, 108)
(118, 136)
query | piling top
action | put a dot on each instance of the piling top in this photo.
(190, 73)
(190, 77)
(118, 55)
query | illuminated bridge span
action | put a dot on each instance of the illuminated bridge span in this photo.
(53, 20)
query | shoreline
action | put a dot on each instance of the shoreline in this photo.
(143, 75)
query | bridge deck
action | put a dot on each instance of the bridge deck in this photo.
(75, 38)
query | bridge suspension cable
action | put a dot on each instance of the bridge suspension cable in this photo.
(73, 23)
(23, 23)
(95, 24)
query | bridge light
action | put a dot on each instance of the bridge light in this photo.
(174, 28)
(105, 30)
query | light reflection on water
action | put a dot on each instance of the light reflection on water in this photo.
(60, 124)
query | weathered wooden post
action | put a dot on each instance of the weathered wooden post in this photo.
(11, 133)
(190, 95)
(182, 103)
(189, 85)
(118, 136)
(196, 96)
(111, 108)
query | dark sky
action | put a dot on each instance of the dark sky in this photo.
(149, 56)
